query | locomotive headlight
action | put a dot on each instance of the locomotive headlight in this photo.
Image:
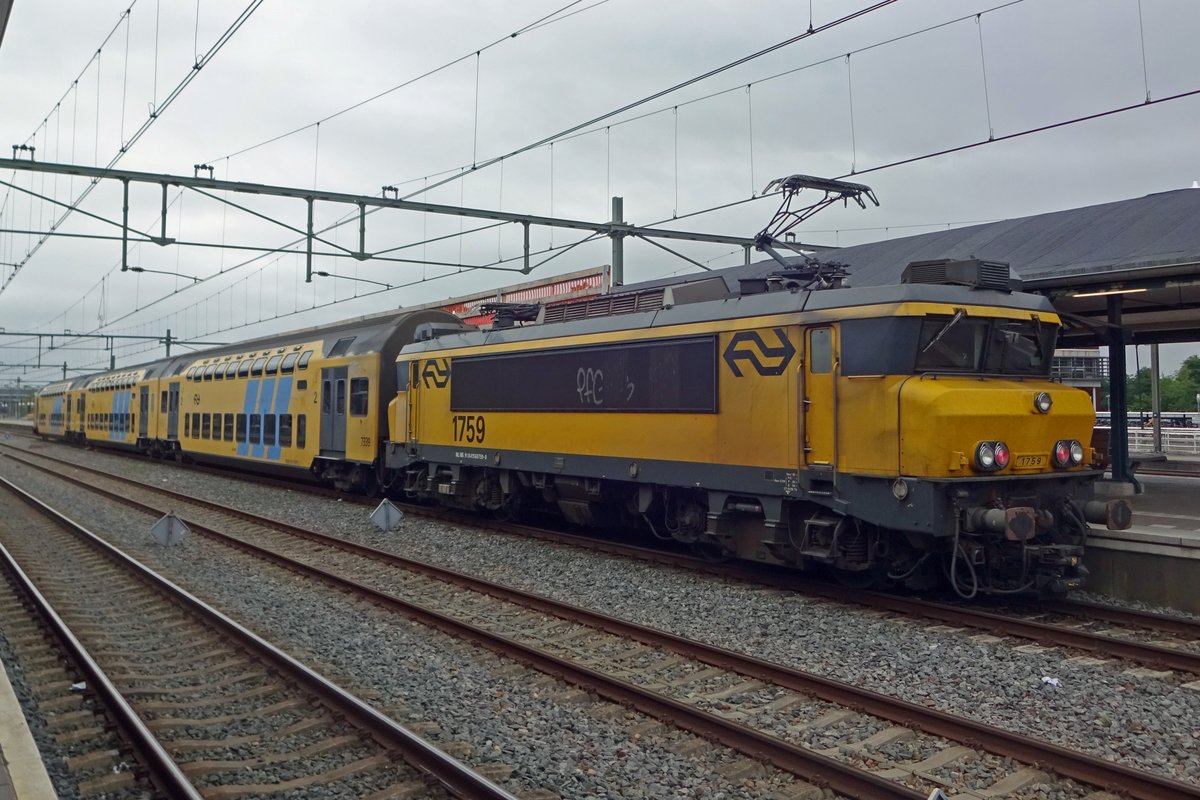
(1076, 452)
(1042, 402)
(985, 456)
(1062, 453)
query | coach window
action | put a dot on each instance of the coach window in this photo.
(301, 429)
(231, 370)
(188, 376)
(340, 408)
(257, 367)
(244, 368)
(289, 363)
(359, 392)
(195, 426)
(285, 430)
(256, 428)
(229, 427)
(268, 429)
(241, 427)
(273, 364)
(206, 426)
(162, 402)
(187, 421)
(304, 357)
(326, 397)
(820, 357)
(208, 371)
(219, 374)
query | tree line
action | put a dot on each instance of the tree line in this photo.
(1177, 392)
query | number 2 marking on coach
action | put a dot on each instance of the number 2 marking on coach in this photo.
(468, 428)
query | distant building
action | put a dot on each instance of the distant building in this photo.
(16, 401)
(1083, 368)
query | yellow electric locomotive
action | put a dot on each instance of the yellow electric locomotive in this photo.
(907, 433)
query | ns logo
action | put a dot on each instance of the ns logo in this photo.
(765, 358)
(436, 373)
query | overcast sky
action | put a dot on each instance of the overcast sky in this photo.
(808, 109)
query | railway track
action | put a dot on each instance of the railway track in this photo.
(741, 701)
(1141, 641)
(190, 691)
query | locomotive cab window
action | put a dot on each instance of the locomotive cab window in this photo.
(947, 343)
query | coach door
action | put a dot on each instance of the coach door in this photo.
(173, 411)
(820, 413)
(144, 412)
(333, 411)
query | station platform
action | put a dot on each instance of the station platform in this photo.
(1158, 559)
(23, 776)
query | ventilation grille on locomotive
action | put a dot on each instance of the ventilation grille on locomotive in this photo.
(970, 272)
(607, 305)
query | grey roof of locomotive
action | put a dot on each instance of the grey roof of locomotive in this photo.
(747, 305)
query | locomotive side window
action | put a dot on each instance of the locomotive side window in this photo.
(359, 394)
(820, 356)
(659, 376)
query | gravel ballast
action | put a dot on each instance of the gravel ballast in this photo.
(1107, 710)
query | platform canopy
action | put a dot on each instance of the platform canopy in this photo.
(1145, 250)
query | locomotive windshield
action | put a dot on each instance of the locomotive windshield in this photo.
(947, 343)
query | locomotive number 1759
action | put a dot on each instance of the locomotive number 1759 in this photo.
(468, 428)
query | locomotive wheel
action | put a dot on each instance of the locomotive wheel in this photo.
(510, 508)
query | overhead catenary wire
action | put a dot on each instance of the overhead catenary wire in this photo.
(541, 22)
(222, 40)
(664, 92)
(608, 127)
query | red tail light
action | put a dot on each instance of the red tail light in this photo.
(1062, 453)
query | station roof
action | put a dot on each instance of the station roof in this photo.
(1146, 250)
